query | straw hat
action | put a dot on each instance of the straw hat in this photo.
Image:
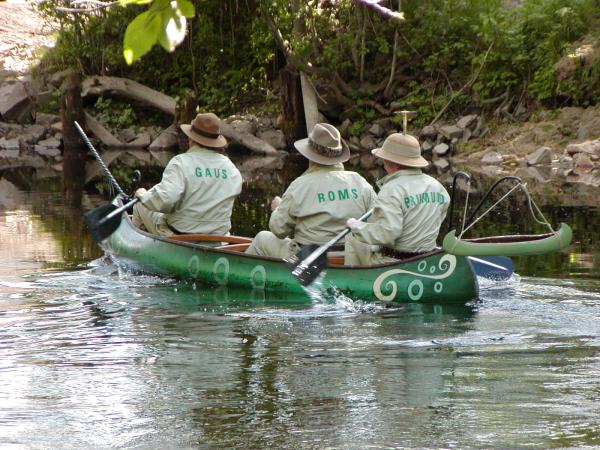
(204, 130)
(402, 149)
(324, 145)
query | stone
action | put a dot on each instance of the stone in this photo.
(50, 143)
(540, 174)
(274, 137)
(542, 155)
(441, 163)
(376, 130)
(6, 154)
(589, 147)
(582, 160)
(14, 101)
(58, 77)
(426, 146)
(565, 162)
(367, 161)
(243, 126)
(367, 142)
(45, 99)
(451, 131)
(479, 128)
(469, 121)
(46, 119)
(441, 149)
(428, 132)
(582, 133)
(492, 158)
(343, 128)
(9, 144)
(32, 134)
(467, 133)
(49, 152)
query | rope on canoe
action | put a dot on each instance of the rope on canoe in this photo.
(489, 209)
(466, 206)
(537, 215)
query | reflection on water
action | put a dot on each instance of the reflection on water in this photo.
(97, 357)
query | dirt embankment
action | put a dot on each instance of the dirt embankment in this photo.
(23, 34)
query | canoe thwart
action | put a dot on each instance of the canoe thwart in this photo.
(514, 245)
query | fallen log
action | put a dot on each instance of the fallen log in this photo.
(247, 140)
(101, 133)
(129, 89)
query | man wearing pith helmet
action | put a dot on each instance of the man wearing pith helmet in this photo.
(197, 189)
(315, 206)
(408, 211)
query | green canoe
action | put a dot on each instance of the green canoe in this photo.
(436, 277)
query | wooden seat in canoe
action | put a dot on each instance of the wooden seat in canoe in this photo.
(210, 238)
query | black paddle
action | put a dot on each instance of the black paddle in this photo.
(105, 219)
(311, 260)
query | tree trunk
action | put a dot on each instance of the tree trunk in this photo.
(294, 122)
(74, 154)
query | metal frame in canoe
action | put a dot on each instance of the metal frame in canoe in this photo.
(436, 277)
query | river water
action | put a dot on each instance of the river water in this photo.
(94, 357)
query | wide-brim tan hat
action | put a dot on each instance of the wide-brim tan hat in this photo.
(205, 130)
(402, 149)
(324, 145)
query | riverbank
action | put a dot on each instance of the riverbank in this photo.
(558, 146)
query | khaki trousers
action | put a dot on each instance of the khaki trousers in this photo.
(151, 221)
(360, 254)
(267, 244)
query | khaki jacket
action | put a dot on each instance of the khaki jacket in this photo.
(196, 192)
(314, 208)
(408, 213)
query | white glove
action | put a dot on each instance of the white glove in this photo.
(275, 203)
(351, 222)
(139, 192)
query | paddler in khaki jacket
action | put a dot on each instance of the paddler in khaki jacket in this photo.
(197, 189)
(316, 205)
(408, 211)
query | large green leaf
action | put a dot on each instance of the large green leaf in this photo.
(141, 34)
(173, 29)
(187, 8)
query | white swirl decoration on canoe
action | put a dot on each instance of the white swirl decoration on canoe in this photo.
(194, 266)
(221, 271)
(258, 277)
(445, 267)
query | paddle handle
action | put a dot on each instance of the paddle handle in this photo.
(117, 211)
(323, 248)
(97, 156)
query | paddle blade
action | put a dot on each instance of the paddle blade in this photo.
(100, 229)
(306, 273)
(493, 267)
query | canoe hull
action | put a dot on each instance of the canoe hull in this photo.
(437, 278)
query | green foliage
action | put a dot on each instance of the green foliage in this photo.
(454, 55)
(114, 113)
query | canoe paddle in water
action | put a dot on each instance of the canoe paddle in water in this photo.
(311, 260)
(105, 219)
